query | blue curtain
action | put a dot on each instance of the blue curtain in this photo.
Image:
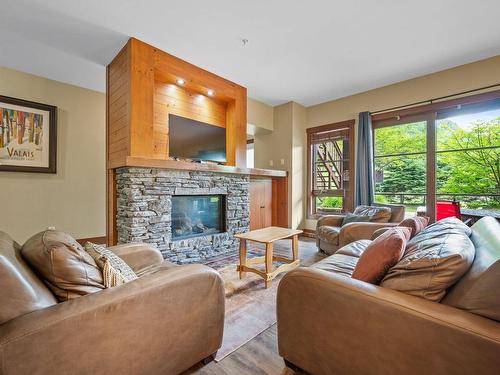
(364, 163)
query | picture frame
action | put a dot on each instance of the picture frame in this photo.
(28, 136)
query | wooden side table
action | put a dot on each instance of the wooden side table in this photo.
(268, 236)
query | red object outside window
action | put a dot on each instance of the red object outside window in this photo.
(447, 209)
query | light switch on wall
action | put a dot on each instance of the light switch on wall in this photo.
(271, 163)
(282, 161)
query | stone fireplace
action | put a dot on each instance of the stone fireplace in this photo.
(188, 215)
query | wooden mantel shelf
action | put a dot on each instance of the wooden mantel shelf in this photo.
(190, 166)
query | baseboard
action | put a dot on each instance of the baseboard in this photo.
(309, 233)
(96, 240)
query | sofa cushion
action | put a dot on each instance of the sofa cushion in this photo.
(380, 231)
(21, 290)
(114, 270)
(377, 214)
(328, 234)
(344, 260)
(63, 264)
(417, 224)
(478, 290)
(382, 254)
(433, 260)
(155, 268)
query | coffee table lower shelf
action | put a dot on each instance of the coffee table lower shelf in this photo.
(268, 277)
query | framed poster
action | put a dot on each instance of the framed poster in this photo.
(28, 133)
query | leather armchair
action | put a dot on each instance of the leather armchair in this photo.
(164, 322)
(331, 235)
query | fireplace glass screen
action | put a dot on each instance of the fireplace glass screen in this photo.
(197, 215)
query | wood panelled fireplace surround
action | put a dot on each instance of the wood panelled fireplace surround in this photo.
(142, 178)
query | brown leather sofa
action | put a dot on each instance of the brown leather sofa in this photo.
(331, 235)
(329, 323)
(164, 322)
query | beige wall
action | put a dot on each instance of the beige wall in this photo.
(276, 146)
(259, 116)
(447, 82)
(298, 174)
(285, 147)
(72, 200)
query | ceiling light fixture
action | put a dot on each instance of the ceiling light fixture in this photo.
(180, 82)
(210, 92)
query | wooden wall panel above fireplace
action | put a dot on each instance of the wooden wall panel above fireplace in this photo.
(142, 92)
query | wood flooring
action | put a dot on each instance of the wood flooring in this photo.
(257, 357)
(260, 355)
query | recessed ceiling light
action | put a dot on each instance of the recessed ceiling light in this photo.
(210, 92)
(180, 82)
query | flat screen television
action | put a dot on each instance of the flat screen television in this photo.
(190, 139)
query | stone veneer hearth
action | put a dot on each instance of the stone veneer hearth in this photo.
(144, 210)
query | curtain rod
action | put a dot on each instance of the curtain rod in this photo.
(430, 101)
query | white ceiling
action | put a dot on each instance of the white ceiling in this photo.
(306, 51)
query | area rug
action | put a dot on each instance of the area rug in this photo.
(250, 308)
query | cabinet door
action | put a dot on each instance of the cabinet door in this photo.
(260, 195)
(266, 209)
(255, 203)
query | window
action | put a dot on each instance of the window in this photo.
(450, 152)
(250, 153)
(400, 158)
(330, 168)
(468, 156)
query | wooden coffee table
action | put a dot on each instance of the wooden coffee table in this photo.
(268, 236)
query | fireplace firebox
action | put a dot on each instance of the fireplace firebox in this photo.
(198, 215)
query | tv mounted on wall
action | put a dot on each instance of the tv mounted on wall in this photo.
(196, 140)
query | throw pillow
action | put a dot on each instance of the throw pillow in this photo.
(351, 218)
(114, 270)
(63, 264)
(416, 224)
(382, 254)
(434, 260)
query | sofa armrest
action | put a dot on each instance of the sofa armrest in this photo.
(360, 231)
(327, 322)
(138, 255)
(161, 323)
(330, 220)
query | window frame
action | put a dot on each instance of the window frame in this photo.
(348, 195)
(429, 113)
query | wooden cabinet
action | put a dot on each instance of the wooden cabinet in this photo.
(261, 203)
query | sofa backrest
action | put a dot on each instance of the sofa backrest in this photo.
(22, 291)
(478, 291)
(397, 211)
(376, 214)
(434, 260)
